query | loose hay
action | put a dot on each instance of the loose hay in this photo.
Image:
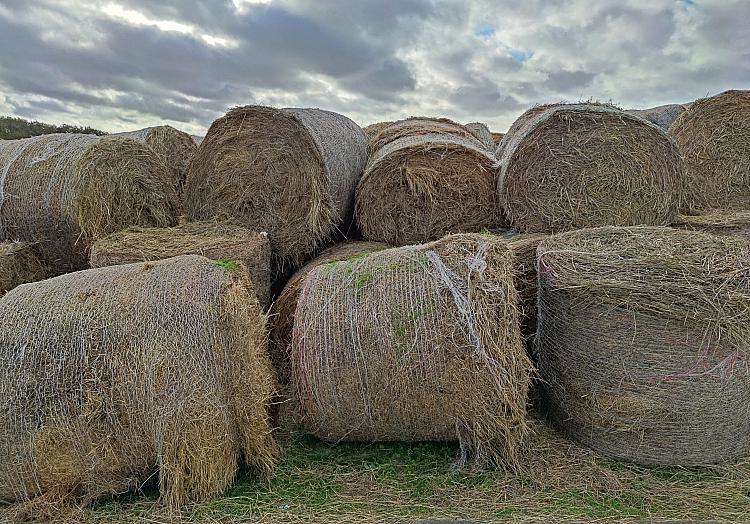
(663, 116)
(415, 343)
(19, 264)
(416, 126)
(173, 147)
(714, 137)
(110, 375)
(482, 133)
(717, 221)
(64, 191)
(642, 343)
(290, 172)
(222, 242)
(421, 188)
(282, 311)
(570, 166)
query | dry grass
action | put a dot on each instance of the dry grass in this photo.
(415, 343)
(380, 135)
(713, 135)
(19, 264)
(570, 166)
(717, 221)
(289, 172)
(643, 342)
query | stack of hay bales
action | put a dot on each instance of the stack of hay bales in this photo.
(290, 172)
(19, 264)
(222, 242)
(282, 310)
(426, 179)
(415, 343)
(717, 221)
(643, 342)
(64, 191)
(570, 166)
(173, 147)
(713, 135)
(482, 133)
(110, 375)
(663, 116)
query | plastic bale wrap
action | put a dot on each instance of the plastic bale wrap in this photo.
(481, 132)
(421, 188)
(571, 166)
(108, 376)
(713, 135)
(289, 172)
(717, 221)
(643, 343)
(64, 191)
(222, 242)
(174, 148)
(663, 116)
(19, 264)
(282, 311)
(419, 343)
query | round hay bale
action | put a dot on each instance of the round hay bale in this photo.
(197, 139)
(497, 138)
(571, 166)
(373, 129)
(412, 344)
(663, 116)
(19, 264)
(643, 342)
(717, 221)
(282, 311)
(482, 133)
(416, 126)
(222, 242)
(64, 191)
(713, 135)
(110, 375)
(290, 172)
(421, 188)
(173, 147)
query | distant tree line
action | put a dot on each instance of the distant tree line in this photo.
(12, 128)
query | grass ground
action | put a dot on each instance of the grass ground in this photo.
(318, 482)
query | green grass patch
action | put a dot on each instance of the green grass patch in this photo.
(231, 265)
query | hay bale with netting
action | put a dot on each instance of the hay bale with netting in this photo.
(281, 314)
(131, 372)
(570, 166)
(373, 129)
(421, 188)
(197, 139)
(173, 147)
(717, 221)
(497, 138)
(419, 343)
(713, 135)
(663, 116)
(643, 342)
(222, 242)
(64, 191)
(482, 133)
(417, 126)
(19, 264)
(290, 172)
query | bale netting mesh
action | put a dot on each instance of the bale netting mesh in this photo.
(228, 244)
(281, 316)
(713, 135)
(421, 188)
(19, 264)
(110, 376)
(717, 221)
(419, 343)
(481, 132)
(663, 116)
(290, 172)
(570, 166)
(643, 343)
(416, 126)
(173, 147)
(64, 191)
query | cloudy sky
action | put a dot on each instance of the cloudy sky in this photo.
(127, 64)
